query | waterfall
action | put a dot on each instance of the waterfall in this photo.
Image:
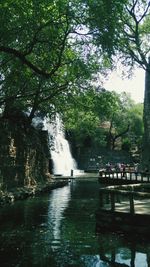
(63, 161)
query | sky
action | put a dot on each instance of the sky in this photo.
(134, 86)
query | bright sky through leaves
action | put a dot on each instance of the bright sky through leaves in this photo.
(134, 85)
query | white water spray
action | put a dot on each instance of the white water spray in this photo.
(63, 161)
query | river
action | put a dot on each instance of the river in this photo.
(58, 230)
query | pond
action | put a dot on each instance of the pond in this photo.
(58, 230)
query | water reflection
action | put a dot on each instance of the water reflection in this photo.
(58, 230)
(118, 254)
(119, 250)
(58, 202)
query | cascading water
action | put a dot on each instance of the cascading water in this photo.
(63, 161)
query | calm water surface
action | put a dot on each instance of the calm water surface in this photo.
(58, 230)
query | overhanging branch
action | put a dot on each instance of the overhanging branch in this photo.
(24, 60)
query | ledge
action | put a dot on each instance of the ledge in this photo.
(8, 197)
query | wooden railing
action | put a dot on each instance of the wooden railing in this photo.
(124, 208)
(109, 196)
(125, 175)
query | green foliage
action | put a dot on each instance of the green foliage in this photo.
(104, 118)
(41, 57)
(49, 50)
(135, 115)
(104, 22)
(126, 144)
(134, 33)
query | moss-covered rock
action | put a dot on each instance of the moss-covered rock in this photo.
(24, 155)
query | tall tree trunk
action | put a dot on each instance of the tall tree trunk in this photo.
(146, 118)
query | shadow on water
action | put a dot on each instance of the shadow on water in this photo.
(58, 230)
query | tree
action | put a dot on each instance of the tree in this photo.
(47, 53)
(131, 45)
(51, 50)
(38, 60)
(86, 113)
(135, 49)
(99, 118)
(135, 116)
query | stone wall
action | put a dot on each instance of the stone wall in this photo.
(24, 155)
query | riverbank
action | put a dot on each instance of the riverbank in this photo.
(9, 196)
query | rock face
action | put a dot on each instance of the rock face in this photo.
(24, 155)
(146, 140)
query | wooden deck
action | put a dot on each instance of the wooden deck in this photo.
(140, 206)
(124, 208)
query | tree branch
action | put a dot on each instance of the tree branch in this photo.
(122, 133)
(25, 61)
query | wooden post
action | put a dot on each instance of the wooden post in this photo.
(113, 255)
(136, 176)
(142, 177)
(130, 175)
(112, 199)
(133, 254)
(132, 211)
(118, 198)
(101, 174)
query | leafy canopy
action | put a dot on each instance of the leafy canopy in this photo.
(49, 50)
